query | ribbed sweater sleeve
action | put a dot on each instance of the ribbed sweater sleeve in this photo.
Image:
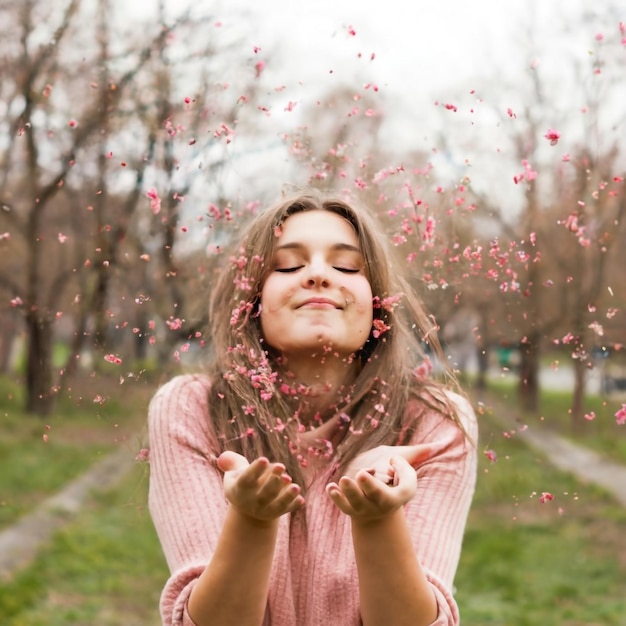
(437, 514)
(186, 499)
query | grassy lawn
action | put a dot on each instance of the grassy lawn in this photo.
(602, 433)
(525, 562)
(561, 562)
(105, 569)
(39, 455)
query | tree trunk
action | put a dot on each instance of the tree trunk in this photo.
(578, 397)
(482, 354)
(528, 388)
(40, 397)
(76, 346)
(141, 337)
(101, 321)
(483, 351)
(8, 335)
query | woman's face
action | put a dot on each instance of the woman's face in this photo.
(317, 297)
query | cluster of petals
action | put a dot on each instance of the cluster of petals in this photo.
(155, 201)
(528, 174)
(553, 136)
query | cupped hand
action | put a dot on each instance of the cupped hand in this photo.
(377, 461)
(261, 490)
(366, 498)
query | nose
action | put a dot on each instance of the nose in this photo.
(317, 274)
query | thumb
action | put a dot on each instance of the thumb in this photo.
(229, 460)
(413, 454)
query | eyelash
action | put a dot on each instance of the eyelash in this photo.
(290, 270)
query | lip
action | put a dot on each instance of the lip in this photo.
(319, 303)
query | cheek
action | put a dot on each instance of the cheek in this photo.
(275, 295)
(363, 306)
(366, 315)
(364, 297)
(274, 302)
(269, 324)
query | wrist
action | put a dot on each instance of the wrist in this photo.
(253, 523)
(377, 523)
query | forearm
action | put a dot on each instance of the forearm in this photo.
(393, 588)
(233, 588)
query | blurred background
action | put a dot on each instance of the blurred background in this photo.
(137, 139)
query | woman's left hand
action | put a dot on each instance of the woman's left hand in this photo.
(366, 498)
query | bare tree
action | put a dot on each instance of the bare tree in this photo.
(537, 279)
(69, 224)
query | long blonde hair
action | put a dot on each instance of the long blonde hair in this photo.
(250, 408)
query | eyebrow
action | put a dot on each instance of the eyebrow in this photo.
(296, 245)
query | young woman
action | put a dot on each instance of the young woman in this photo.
(315, 474)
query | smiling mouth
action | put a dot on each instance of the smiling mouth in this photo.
(319, 304)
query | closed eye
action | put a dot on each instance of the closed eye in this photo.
(287, 270)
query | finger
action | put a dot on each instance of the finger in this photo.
(353, 492)
(412, 454)
(405, 475)
(338, 498)
(372, 488)
(271, 482)
(253, 473)
(298, 503)
(229, 461)
(384, 477)
(289, 499)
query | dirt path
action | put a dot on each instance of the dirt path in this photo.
(20, 543)
(585, 464)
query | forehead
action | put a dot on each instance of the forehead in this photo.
(320, 227)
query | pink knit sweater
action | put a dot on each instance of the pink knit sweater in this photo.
(314, 578)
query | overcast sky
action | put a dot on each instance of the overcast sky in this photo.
(419, 47)
(415, 52)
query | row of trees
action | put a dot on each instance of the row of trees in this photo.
(516, 224)
(97, 119)
(116, 172)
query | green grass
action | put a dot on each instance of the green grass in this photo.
(106, 568)
(602, 433)
(38, 456)
(525, 563)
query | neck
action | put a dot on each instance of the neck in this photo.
(320, 383)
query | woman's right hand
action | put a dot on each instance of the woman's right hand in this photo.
(261, 491)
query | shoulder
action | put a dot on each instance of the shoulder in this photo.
(184, 385)
(465, 413)
(184, 397)
(458, 425)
